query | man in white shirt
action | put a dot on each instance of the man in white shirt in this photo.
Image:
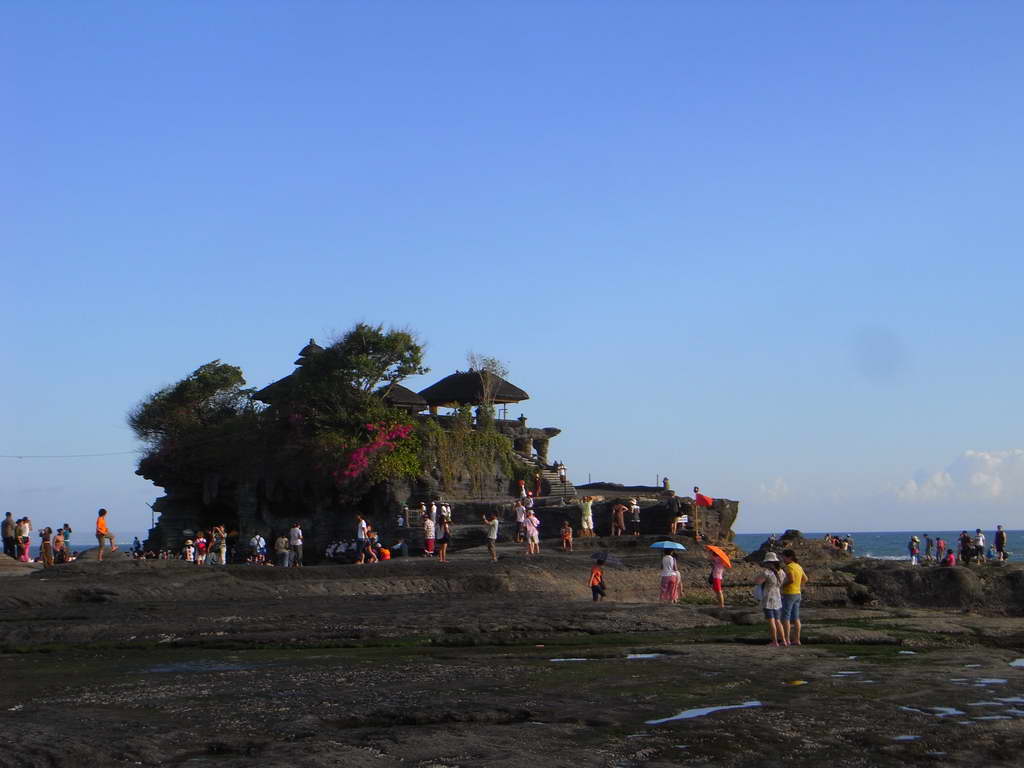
(491, 521)
(295, 545)
(520, 522)
(258, 547)
(979, 543)
(362, 539)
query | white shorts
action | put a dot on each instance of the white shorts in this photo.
(588, 523)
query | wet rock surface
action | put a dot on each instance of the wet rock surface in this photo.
(416, 663)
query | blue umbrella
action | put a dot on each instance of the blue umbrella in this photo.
(667, 545)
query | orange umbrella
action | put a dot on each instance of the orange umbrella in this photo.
(720, 553)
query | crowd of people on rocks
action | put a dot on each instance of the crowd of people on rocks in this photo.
(54, 544)
(969, 548)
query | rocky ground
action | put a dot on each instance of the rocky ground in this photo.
(508, 664)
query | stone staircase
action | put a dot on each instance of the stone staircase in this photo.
(550, 480)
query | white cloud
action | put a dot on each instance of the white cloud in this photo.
(972, 476)
(776, 490)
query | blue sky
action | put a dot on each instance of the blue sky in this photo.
(773, 249)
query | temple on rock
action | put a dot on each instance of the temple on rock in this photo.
(275, 469)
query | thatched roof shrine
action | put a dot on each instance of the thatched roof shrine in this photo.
(402, 397)
(468, 388)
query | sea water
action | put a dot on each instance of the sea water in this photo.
(891, 545)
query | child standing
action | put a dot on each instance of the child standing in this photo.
(566, 536)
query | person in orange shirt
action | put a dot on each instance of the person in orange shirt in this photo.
(103, 534)
(597, 581)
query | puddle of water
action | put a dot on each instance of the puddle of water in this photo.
(1017, 663)
(701, 711)
(991, 681)
(644, 655)
(1012, 699)
(568, 659)
(867, 681)
(984, 704)
(994, 717)
(851, 658)
(1015, 712)
(936, 711)
(850, 672)
(972, 666)
(198, 666)
(907, 653)
(958, 679)
(681, 746)
(905, 738)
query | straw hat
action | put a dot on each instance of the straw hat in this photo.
(188, 542)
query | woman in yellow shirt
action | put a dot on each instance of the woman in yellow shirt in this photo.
(791, 594)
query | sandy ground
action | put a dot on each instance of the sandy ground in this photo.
(419, 664)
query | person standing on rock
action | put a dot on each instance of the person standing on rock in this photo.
(520, 510)
(928, 546)
(294, 544)
(562, 475)
(1000, 543)
(940, 549)
(532, 534)
(670, 581)
(8, 535)
(792, 590)
(618, 519)
(587, 517)
(634, 516)
(491, 521)
(445, 529)
(428, 536)
(979, 545)
(363, 538)
(46, 547)
(770, 582)
(914, 548)
(597, 587)
(103, 534)
(715, 579)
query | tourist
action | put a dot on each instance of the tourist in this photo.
(1000, 542)
(136, 547)
(8, 535)
(520, 510)
(716, 576)
(363, 538)
(618, 519)
(529, 502)
(188, 552)
(202, 548)
(400, 548)
(445, 529)
(103, 534)
(491, 521)
(597, 587)
(22, 531)
(634, 516)
(428, 536)
(562, 475)
(950, 559)
(792, 589)
(675, 513)
(446, 510)
(928, 546)
(218, 546)
(566, 536)
(522, 489)
(532, 533)
(295, 544)
(536, 484)
(46, 547)
(257, 549)
(60, 554)
(587, 517)
(67, 540)
(282, 551)
(770, 582)
(914, 548)
(965, 546)
(979, 544)
(940, 548)
(433, 511)
(671, 583)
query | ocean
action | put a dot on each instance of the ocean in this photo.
(890, 545)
